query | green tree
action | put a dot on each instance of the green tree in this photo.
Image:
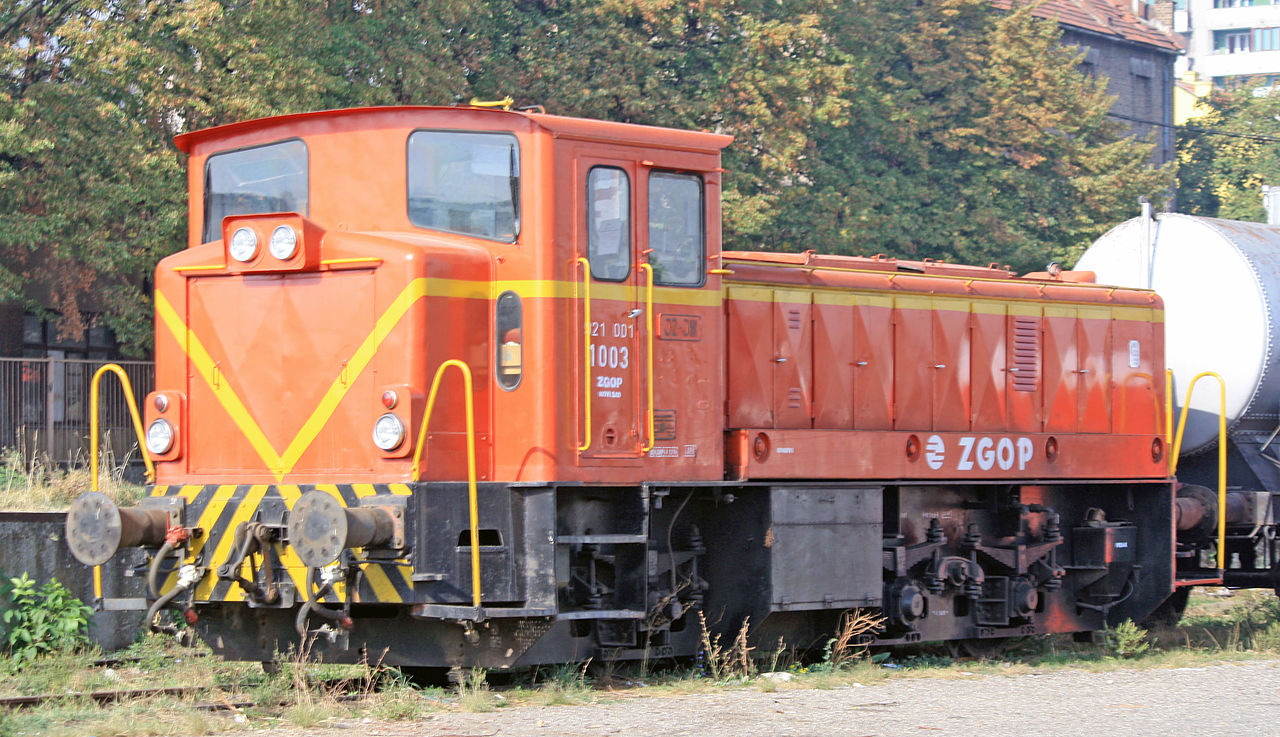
(92, 191)
(973, 138)
(764, 72)
(919, 128)
(1226, 156)
(939, 128)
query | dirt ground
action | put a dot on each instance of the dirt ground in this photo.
(1231, 699)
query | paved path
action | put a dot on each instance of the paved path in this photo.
(1240, 700)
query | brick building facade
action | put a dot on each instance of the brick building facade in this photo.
(1132, 54)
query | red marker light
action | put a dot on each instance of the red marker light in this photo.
(389, 399)
(161, 402)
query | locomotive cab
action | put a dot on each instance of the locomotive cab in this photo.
(558, 259)
(340, 266)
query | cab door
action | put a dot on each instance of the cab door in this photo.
(607, 240)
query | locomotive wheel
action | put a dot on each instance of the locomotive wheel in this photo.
(977, 648)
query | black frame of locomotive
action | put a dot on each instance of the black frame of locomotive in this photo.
(574, 571)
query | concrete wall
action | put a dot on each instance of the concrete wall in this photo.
(31, 542)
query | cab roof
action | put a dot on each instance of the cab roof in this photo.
(558, 125)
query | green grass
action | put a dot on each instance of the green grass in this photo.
(1226, 628)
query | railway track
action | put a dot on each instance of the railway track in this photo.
(341, 690)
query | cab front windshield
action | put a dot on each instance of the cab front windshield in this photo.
(271, 178)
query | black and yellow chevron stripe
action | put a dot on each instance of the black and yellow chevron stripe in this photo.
(218, 509)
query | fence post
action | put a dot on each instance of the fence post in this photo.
(48, 409)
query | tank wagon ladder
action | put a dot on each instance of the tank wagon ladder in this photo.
(1176, 444)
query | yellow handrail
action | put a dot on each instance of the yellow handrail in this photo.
(1222, 457)
(473, 509)
(93, 423)
(648, 316)
(1168, 417)
(132, 404)
(586, 353)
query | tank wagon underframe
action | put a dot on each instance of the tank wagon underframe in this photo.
(574, 571)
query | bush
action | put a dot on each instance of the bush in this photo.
(1127, 640)
(43, 621)
(1268, 640)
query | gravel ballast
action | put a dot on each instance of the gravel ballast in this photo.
(1229, 699)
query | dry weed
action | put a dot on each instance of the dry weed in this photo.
(31, 481)
(852, 638)
(721, 662)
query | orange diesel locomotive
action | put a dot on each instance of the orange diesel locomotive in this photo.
(478, 387)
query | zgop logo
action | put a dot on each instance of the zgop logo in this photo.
(935, 452)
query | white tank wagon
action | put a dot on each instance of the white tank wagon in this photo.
(1220, 282)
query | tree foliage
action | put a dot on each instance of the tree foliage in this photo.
(919, 128)
(1226, 156)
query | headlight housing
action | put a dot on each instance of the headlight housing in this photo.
(284, 242)
(388, 432)
(244, 245)
(159, 437)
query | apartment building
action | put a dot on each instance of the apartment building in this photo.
(1230, 42)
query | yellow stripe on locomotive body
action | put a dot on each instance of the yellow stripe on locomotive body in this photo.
(909, 296)
(281, 464)
(217, 509)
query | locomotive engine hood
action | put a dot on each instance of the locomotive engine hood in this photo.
(287, 370)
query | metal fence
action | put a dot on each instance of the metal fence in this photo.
(44, 408)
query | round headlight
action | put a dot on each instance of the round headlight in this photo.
(388, 432)
(244, 245)
(159, 437)
(284, 241)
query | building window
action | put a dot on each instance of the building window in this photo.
(1234, 41)
(1266, 39)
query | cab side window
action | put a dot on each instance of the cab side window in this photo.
(677, 233)
(609, 223)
